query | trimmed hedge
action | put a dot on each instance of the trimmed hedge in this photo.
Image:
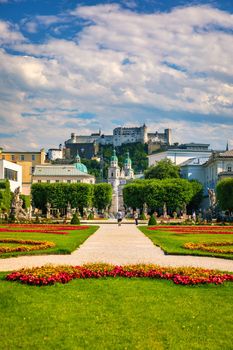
(174, 192)
(79, 195)
(5, 195)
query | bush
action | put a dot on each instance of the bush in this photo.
(152, 221)
(5, 196)
(90, 216)
(225, 194)
(143, 216)
(75, 220)
(26, 201)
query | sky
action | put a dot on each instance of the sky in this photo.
(80, 66)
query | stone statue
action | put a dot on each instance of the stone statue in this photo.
(17, 212)
(68, 211)
(145, 209)
(48, 213)
(212, 197)
(164, 210)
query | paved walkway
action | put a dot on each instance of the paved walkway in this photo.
(119, 246)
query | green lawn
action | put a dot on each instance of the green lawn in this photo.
(172, 243)
(116, 314)
(65, 244)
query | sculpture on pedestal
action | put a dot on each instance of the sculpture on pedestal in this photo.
(17, 212)
(212, 198)
(68, 211)
(48, 213)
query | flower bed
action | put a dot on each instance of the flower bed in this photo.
(52, 229)
(49, 275)
(210, 247)
(217, 230)
(31, 245)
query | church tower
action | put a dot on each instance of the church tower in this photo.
(128, 171)
(114, 173)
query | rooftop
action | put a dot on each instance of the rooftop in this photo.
(226, 154)
(58, 170)
(195, 161)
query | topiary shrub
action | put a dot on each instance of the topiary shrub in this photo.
(152, 221)
(142, 216)
(90, 216)
(75, 220)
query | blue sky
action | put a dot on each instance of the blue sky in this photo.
(77, 66)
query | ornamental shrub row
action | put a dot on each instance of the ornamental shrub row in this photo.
(49, 274)
(174, 192)
(79, 195)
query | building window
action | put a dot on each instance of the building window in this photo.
(22, 157)
(229, 168)
(57, 180)
(13, 157)
(10, 174)
(33, 157)
(3, 157)
(68, 181)
(48, 181)
(39, 181)
(32, 169)
(78, 181)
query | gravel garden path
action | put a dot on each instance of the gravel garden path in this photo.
(119, 246)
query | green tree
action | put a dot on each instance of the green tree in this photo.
(79, 195)
(102, 196)
(197, 196)
(175, 193)
(133, 194)
(164, 169)
(224, 191)
(26, 201)
(5, 195)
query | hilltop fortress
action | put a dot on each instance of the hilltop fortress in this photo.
(121, 135)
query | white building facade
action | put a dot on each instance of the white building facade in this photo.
(62, 173)
(210, 170)
(12, 172)
(55, 153)
(178, 156)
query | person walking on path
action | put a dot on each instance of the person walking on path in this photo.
(119, 217)
(136, 217)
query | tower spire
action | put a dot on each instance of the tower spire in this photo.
(227, 146)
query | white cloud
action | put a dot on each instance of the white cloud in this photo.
(118, 65)
(9, 34)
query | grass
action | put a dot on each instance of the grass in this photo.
(116, 314)
(65, 244)
(172, 243)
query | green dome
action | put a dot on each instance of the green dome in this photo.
(114, 157)
(81, 167)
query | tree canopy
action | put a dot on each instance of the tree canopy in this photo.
(224, 191)
(102, 195)
(175, 193)
(164, 169)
